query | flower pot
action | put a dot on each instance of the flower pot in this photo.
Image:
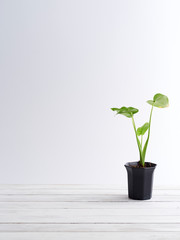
(140, 180)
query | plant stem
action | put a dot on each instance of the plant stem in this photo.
(141, 141)
(145, 145)
(137, 139)
(150, 122)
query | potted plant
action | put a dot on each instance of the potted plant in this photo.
(140, 174)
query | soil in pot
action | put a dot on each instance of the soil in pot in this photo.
(146, 165)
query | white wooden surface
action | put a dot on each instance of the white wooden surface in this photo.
(68, 212)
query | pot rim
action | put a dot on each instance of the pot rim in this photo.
(127, 165)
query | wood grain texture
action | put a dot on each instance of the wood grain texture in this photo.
(88, 227)
(91, 236)
(90, 216)
(90, 205)
(86, 212)
(82, 198)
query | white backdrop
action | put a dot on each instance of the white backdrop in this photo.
(63, 65)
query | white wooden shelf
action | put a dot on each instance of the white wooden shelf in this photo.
(68, 212)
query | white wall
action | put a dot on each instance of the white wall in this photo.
(63, 65)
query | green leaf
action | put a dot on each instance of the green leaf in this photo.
(133, 110)
(128, 112)
(159, 100)
(150, 102)
(142, 130)
(115, 109)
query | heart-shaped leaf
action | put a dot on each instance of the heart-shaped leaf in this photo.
(128, 112)
(159, 100)
(142, 130)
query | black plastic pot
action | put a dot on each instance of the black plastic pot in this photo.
(140, 181)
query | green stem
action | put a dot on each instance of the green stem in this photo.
(150, 122)
(137, 139)
(141, 141)
(145, 145)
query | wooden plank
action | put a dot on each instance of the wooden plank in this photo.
(91, 236)
(70, 213)
(61, 189)
(62, 186)
(77, 186)
(89, 227)
(90, 205)
(85, 191)
(81, 198)
(90, 216)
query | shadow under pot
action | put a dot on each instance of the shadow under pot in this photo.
(140, 180)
